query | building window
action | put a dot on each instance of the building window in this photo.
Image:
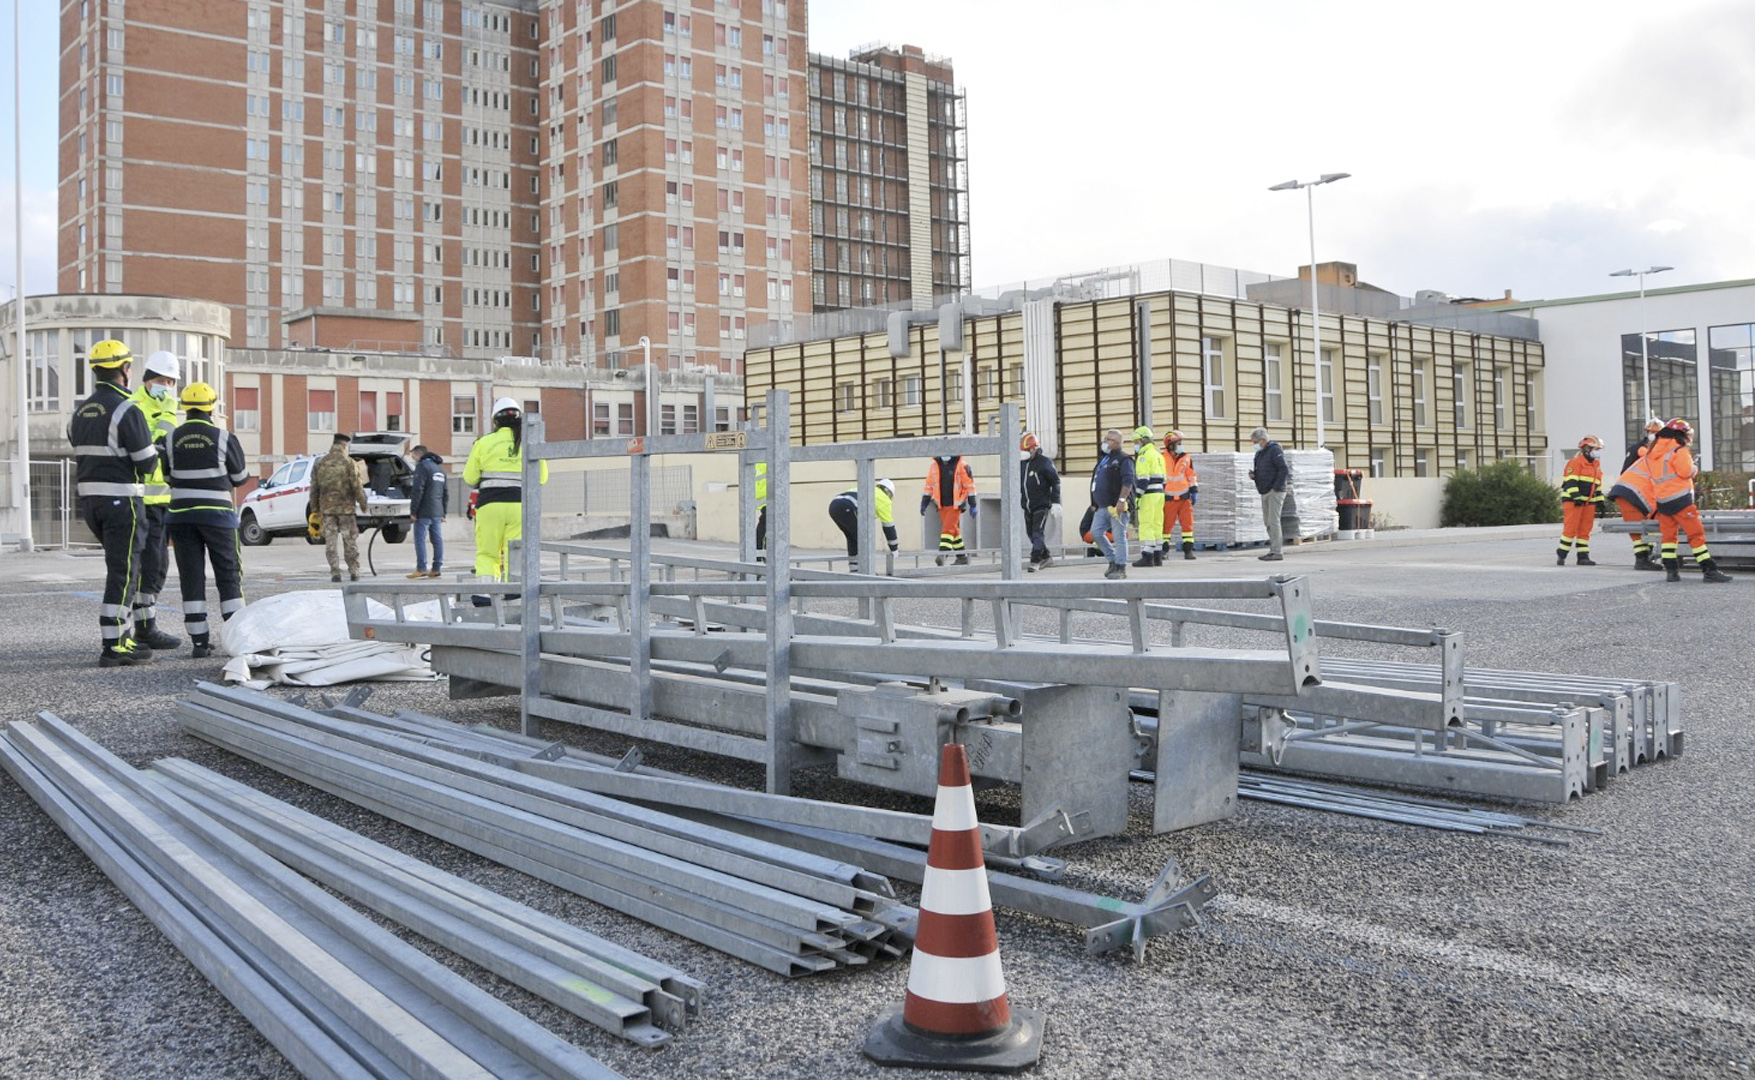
(691, 419)
(1731, 355)
(462, 414)
(393, 410)
(320, 410)
(1459, 389)
(624, 418)
(1499, 400)
(1325, 385)
(42, 360)
(911, 390)
(883, 394)
(667, 419)
(1379, 461)
(1374, 388)
(1419, 393)
(1422, 463)
(847, 397)
(1212, 351)
(1273, 380)
(368, 410)
(599, 418)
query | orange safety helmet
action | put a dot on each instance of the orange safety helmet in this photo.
(1029, 441)
(1590, 442)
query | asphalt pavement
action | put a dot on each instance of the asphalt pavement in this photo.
(1340, 947)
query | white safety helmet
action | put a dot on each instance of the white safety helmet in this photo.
(163, 365)
(888, 485)
(504, 404)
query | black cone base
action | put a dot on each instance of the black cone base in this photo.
(1014, 1049)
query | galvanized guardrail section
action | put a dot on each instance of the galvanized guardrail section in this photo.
(789, 912)
(338, 995)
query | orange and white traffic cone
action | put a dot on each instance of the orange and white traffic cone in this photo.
(956, 1015)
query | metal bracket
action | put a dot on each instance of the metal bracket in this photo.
(630, 760)
(1169, 905)
(356, 697)
(1052, 826)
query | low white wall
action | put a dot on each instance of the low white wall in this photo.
(1410, 502)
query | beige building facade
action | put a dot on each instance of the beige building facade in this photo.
(1400, 400)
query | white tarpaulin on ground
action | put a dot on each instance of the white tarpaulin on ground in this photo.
(300, 639)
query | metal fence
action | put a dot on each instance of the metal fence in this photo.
(600, 492)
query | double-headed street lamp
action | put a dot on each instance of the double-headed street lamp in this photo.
(1315, 310)
(1644, 352)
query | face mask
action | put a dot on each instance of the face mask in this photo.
(160, 391)
(1590, 455)
(1173, 448)
(1023, 455)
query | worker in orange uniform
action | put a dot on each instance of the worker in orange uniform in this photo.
(1671, 469)
(1581, 489)
(1627, 498)
(1181, 489)
(950, 486)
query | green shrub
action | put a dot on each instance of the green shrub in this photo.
(1503, 493)
(1722, 489)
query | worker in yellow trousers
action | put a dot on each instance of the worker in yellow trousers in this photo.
(1148, 473)
(496, 470)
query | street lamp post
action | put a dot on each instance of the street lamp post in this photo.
(651, 387)
(1315, 310)
(1644, 350)
(21, 480)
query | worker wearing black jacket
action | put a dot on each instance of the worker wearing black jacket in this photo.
(1271, 475)
(113, 455)
(204, 463)
(1041, 494)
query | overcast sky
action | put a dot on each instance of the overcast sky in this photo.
(1532, 145)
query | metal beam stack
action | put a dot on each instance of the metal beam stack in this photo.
(883, 841)
(1525, 736)
(336, 994)
(776, 907)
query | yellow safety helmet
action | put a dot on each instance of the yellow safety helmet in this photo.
(1142, 434)
(108, 353)
(199, 395)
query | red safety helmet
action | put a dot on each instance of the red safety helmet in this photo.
(1590, 442)
(1678, 426)
(1171, 437)
(1029, 441)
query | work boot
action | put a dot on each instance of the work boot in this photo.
(1188, 552)
(938, 560)
(1145, 560)
(961, 559)
(1047, 561)
(1643, 561)
(154, 638)
(334, 577)
(1672, 572)
(201, 651)
(1561, 560)
(1586, 560)
(124, 653)
(1709, 572)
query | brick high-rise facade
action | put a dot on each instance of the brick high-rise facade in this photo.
(889, 180)
(483, 178)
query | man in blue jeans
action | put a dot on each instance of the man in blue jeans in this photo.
(428, 497)
(1111, 488)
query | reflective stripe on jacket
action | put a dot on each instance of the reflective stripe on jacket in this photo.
(952, 490)
(1672, 471)
(1148, 470)
(204, 462)
(112, 445)
(1583, 481)
(496, 469)
(1179, 478)
(161, 420)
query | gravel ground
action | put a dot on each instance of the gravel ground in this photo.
(1340, 947)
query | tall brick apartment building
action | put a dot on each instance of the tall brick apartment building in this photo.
(487, 178)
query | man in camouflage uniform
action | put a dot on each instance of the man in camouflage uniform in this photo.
(337, 493)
